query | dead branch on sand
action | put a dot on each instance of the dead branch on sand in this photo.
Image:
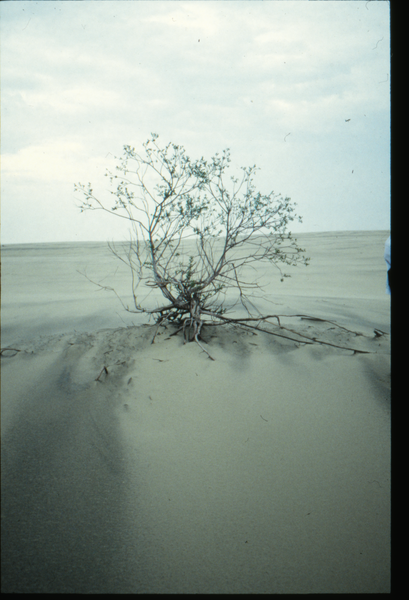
(103, 370)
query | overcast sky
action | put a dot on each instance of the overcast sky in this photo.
(301, 89)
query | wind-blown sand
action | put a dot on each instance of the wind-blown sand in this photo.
(264, 471)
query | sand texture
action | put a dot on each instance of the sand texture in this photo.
(132, 467)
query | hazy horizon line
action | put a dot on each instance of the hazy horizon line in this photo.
(124, 241)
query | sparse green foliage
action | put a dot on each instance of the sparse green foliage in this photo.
(169, 198)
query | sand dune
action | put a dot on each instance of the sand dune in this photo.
(148, 468)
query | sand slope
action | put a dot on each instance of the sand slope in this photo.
(264, 471)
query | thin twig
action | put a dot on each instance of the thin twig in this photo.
(102, 370)
(5, 349)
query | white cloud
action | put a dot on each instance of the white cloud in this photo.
(53, 162)
(71, 100)
(202, 17)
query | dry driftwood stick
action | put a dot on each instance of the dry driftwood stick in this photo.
(102, 370)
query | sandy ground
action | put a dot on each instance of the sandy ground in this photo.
(266, 470)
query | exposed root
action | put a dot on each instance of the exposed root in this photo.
(192, 325)
(307, 318)
(204, 349)
(216, 319)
